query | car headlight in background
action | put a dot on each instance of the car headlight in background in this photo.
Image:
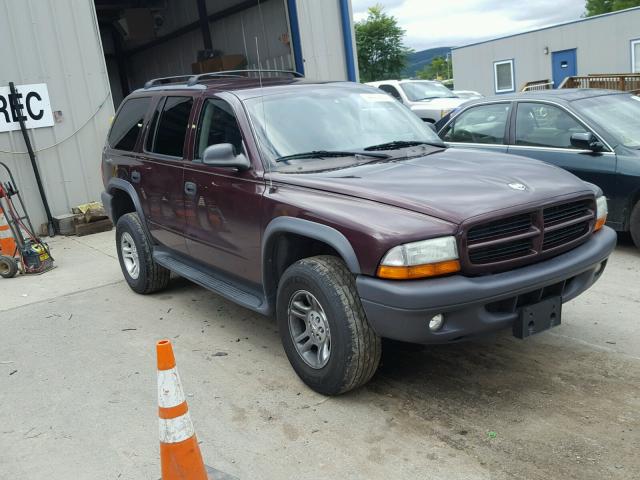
(602, 210)
(427, 258)
(444, 113)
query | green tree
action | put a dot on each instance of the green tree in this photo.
(598, 7)
(438, 69)
(381, 52)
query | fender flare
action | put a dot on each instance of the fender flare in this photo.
(317, 231)
(123, 185)
(304, 228)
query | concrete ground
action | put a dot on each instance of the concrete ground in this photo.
(78, 387)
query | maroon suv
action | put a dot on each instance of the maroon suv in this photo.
(333, 207)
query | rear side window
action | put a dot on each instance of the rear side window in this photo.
(127, 125)
(172, 127)
(482, 124)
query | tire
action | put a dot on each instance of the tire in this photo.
(355, 349)
(8, 267)
(149, 277)
(634, 224)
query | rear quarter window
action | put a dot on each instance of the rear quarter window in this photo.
(128, 123)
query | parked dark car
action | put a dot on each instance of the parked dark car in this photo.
(335, 208)
(594, 134)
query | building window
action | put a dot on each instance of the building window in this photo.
(503, 75)
(635, 56)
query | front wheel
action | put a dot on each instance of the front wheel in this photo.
(323, 327)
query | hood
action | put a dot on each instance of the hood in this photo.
(453, 185)
(438, 103)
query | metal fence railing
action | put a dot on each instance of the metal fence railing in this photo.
(537, 85)
(627, 82)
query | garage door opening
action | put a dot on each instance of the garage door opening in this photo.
(145, 39)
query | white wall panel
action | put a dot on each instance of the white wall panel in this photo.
(322, 40)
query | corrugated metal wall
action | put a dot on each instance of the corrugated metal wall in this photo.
(235, 34)
(603, 46)
(57, 42)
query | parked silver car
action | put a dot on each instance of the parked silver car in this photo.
(428, 99)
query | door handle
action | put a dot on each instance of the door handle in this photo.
(135, 176)
(190, 188)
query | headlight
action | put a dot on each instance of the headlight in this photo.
(602, 210)
(444, 113)
(428, 258)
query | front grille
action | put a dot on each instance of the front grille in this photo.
(564, 235)
(501, 252)
(527, 237)
(569, 211)
(499, 228)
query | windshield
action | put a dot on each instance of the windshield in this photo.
(618, 114)
(426, 90)
(312, 126)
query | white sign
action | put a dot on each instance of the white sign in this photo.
(31, 102)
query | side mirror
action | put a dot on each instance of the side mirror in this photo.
(224, 155)
(586, 141)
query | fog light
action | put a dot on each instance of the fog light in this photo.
(436, 322)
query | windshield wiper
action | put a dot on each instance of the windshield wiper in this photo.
(402, 144)
(329, 153)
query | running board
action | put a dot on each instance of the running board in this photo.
(210, 281)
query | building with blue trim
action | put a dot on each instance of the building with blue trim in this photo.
(145, 39)
(608, 43)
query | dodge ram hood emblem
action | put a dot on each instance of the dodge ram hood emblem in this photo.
(518, 186)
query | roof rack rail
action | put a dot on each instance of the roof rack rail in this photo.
(239, 73)
(162, 80)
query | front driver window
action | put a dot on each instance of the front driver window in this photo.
(482, 124)
(391, 91)
(543, 125)
(217, 125)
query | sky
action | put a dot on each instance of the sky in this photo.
(452, 23)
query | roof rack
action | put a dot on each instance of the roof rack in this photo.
(162, 80)
(239, 74)
(192, 80)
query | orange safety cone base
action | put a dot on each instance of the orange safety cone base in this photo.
(182, 461)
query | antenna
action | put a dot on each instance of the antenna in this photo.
(264, 116)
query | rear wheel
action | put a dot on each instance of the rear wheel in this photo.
(140, 271)
(8, 267)
(634, 224)
(323, 326)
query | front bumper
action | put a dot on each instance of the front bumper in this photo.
(474, 306)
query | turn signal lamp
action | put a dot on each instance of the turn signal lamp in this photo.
(602, 210)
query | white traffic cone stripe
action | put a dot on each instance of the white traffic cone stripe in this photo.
(170, 393)
(176, 430)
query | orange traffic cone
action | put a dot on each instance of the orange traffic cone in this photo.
(179, 452)
(7, 243)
